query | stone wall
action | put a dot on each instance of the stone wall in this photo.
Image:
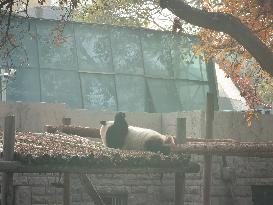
(227, 125)
(248, 171)
(40, 189)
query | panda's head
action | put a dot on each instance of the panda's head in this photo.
(104, 127)
(119, 122)
(113, 133)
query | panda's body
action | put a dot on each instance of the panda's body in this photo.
(138, 137)
(117, 134)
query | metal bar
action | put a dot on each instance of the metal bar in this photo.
(114, 70)
(201, 82)
(78, 66)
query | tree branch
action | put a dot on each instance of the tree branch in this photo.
(3, 3)
(226, 23)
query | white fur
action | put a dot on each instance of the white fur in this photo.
(103, 130)
(135, 138)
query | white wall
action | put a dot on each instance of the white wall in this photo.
(34, 116)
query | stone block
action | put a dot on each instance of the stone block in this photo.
(22, 195)
(193, 190)
(193, 198)
(221, 200)
(139, 189)
(166, 193)
(38, 190)
(20, 180)
(244, 200)
(38, 180)
(220, 190)
(194, 182)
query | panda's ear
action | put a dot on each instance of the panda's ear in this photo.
(120, 116)
(123, 115)
(103, 122)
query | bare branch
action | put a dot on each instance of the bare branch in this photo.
(2, 4)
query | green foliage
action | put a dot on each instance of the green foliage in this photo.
(265, 90)
(139, 13)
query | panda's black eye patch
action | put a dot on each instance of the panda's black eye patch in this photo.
(103, 122)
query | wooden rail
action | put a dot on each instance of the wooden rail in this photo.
(18, 167)
(240, 149)
(91, 190)
(74, 130)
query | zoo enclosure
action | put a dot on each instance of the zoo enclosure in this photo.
(263, 149)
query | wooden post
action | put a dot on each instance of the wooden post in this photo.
(87, 184)
(179, 188)
(67, 190)
(66, 121)
(180, 177)
(67, 199)
(181, 130)
(208, 157)
(8, 154)
(50, 129)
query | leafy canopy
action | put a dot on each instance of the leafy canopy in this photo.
(254, 83)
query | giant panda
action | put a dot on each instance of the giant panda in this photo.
(117, 134)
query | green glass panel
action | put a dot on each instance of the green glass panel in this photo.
(93, 48)
(25, 87)
(185, 64)
(61, 87)
(22, 45)
(106, 49)
(192, 94)
(164, 95)
(156, 53)
(192, 71)
(56, 49)
(98, 92)
(127, 56)
(131, 93)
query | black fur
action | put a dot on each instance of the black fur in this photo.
(116, 134)
(156, 145)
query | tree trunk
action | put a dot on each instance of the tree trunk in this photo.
(226, 23)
